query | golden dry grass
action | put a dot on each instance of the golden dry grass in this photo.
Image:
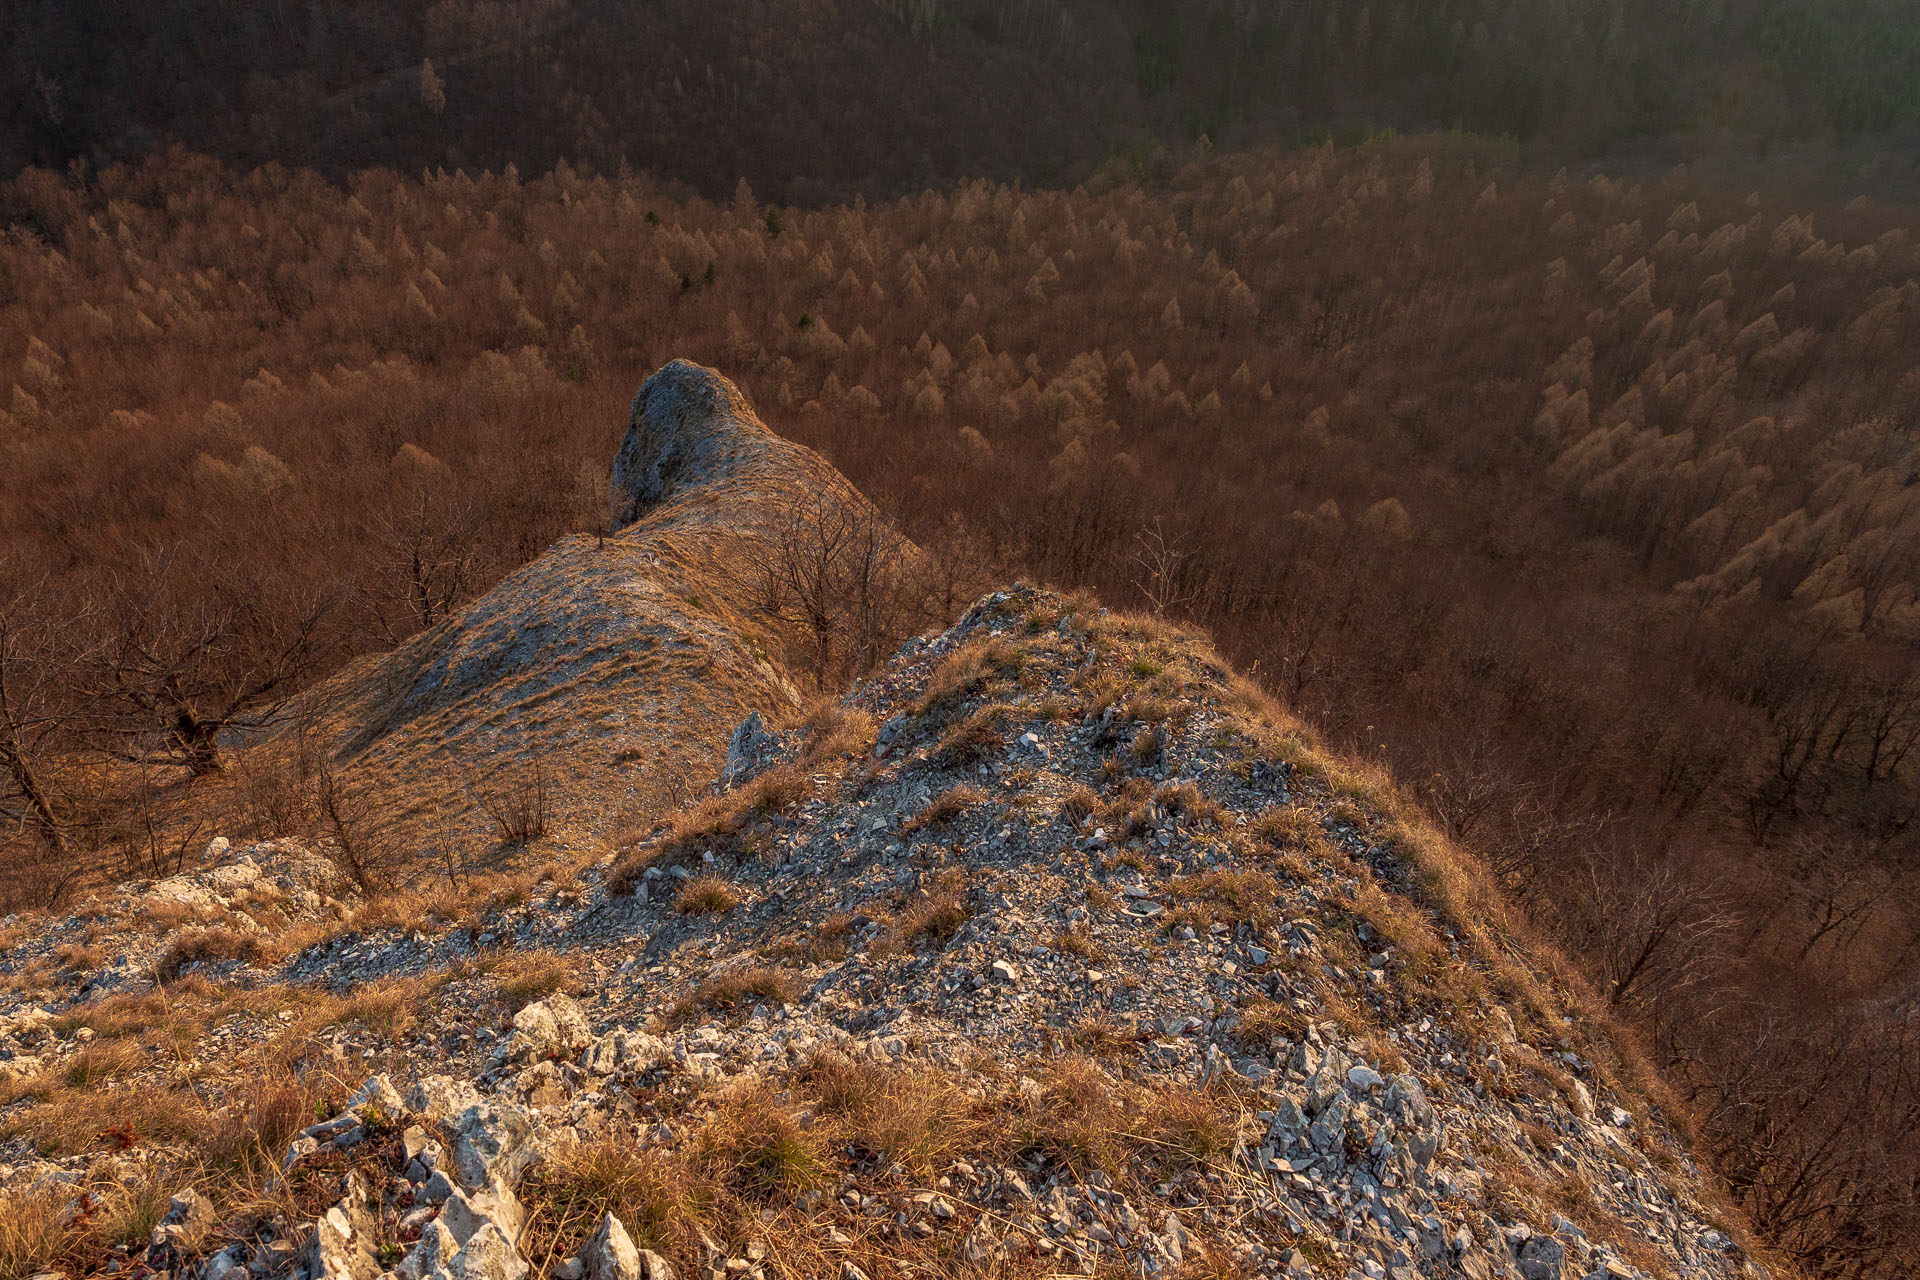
(920, 1118)
(733, 992)
(949, 804)
(704, 896)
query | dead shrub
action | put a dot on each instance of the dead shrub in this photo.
(517, 805)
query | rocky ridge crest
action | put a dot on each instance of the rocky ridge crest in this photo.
(609, 661)
(1052, 948)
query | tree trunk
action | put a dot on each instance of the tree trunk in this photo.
(39, 808)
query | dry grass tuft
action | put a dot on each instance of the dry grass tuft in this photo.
(932, 917)
(526, 976)
(980, 734)
(1187, 800)
(720, 824)
(949, 804)
(656, 1197)
(101, 1061)
(1292, 827)
(826, 941)
(969, 670)
(916, 1118)
(704, 896)
(1081, 803)
(1225, 897)
(1076, 1119)
(220, 942)
(757, 1148)
(728, 992)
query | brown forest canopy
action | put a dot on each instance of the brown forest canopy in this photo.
(816, 99)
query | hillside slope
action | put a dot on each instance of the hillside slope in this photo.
(1053, 949)
(609, 663)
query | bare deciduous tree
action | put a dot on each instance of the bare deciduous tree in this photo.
(1656, 929)
(844, 579)
(427, 564)
(180, 668)
(42, 651)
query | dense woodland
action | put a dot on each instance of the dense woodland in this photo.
(1591, 506)
(819, 99)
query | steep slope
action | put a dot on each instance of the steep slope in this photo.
(609, 665)
(1054, 950)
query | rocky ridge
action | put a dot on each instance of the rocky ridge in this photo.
(609, 661)
(1052, 948)
(1048, 840)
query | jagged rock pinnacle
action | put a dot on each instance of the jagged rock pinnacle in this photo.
(686, 425)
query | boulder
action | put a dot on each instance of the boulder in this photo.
(542, 1085)
(1327, 1080)
(554, 1025)
(1407, 1100)
(684, 425)
(1288, 1126)
(1328, 1132)
(490, 1142)
(190, 1219)
(747, 751)
(609, 1254)
(378, 1092)
(466, 1212)
(1541, 1258)
(437, 1097)
(432, 1256)
(488, 1256)
(345, 1237)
